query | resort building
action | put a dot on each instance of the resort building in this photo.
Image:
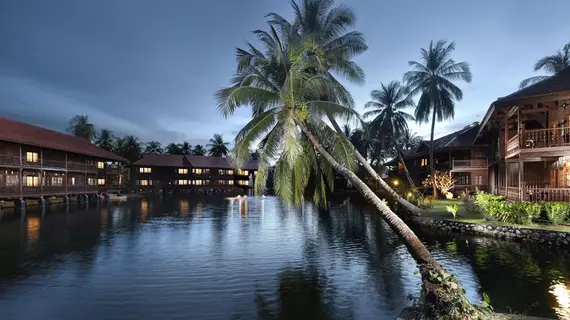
(36, 162)
(187, 173)
(530, 134)
(455, 153)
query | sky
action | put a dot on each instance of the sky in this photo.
(151, 67)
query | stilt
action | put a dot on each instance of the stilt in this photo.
(20, 206)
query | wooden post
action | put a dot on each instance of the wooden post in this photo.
(66, 177)
(521, 176)
(506, 184)
(21, 175)
(42, 172)
(86, 179)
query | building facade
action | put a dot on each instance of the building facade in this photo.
(36, 162)
(188, 173)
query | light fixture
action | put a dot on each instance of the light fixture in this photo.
(396, 182)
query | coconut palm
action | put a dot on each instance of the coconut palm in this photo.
(217, 147)
(387, 106)
(80, 126)
(434, 81)
(358, 138)
(129, 148)
(106, 140)
(153, 147)
(293, 134)
(328, 27)
(549, 64)
(185, 148)
(173, 148)
(199, 150)
(408, 140)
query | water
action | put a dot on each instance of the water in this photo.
(252, 259)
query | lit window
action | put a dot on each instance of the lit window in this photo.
(243, 172)
(231, 182)
(145, 170)
(145, 182)
(72, 181)
(57, 181)
(182, 171)
(424, 162)
(91, 181)
(221, 172)
(101, 182)
(12, 178)
(182, 182)
(32, 181)
(198, 182)
(479, 180)
(101, 165)
(31, 157)
(230, 172)
(243, 183)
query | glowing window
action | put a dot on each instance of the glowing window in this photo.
(32, 157)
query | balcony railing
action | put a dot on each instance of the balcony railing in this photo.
(54, 189)
(9, 160)
(54, 164)
(469, 164)
(546, 138)
(513, 145)
(9, 191)
(75, 166)
(546, 194)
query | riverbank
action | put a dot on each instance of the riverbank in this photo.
(470, 222)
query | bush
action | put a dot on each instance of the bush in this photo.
(524, 213)
(557, 212)
(488, 204)
(469, 202)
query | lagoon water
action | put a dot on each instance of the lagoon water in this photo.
(212, 258)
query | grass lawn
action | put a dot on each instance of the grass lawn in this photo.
(438, 211)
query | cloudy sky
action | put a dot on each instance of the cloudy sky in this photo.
(150, 67)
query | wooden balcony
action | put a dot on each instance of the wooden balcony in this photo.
(54, 164)
(9, 160)
(551, 142)
(469, 165)
(513, 146)
(546, 194)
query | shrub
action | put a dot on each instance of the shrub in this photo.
(488, 204)
(469, 202)
(524, 213)
(453, 210)
(557, 212)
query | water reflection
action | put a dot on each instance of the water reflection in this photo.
(205, 258)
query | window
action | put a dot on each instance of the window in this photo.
(243, 183)
(230, 172)
(12, 178)
(221, 172)
(56, 181)
(182, 182)
(478, 180)
(91, 181)
(243, 172)
(182, 171)
(144, 182)
(231, 182)
(72, 181)
(101, 182)
(101, 165)
(32, 181)
(31, 157)
(198, 182)
(145, 170)
(424, 162)
(197, 171)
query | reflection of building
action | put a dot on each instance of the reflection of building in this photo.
(37, 162)
(189, 173)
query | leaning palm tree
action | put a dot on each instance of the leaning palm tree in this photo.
(173, 148)
(217, 147)
(106, 140)
(80, 126)
(328, 28)
(185, 148)
(387, 106)
(199, 150)
(153, 147)
(433, 80)
(549, 64)
(295, 137)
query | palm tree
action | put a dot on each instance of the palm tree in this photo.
(358, 137)
(409, 140)
(173, 148)
(549, 64)
(217, 147)
(153, 147)
(433, 80)
(106, 140)
(293, 134)
(389, 119)
(185, 148)
(199, 150)
(327, 26)
(129, 148)
(80, 126)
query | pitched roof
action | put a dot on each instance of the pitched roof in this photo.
(162, 160)
(23, 133)
(557, 83)
(209, 162)
(251, 165)
(460, 138)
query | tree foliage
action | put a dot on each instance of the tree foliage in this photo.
(550, 65)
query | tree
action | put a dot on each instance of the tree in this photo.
(550, 64)
(327, 27)
(294, 135)
(409, 140)
(185, 148)
(217, 147)
(173, 148)
(129, 148)
(433, 80)
(80, 126)
(358, 137)
(106, 140)
(199, 150)
(389, 118)
(153, 147)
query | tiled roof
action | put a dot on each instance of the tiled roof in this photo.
(162, 160)
(209, 162)
(23, 133)
(461, 138)
(251, 165)
(557, 83)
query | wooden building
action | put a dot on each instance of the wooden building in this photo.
(36, 162)
(188, 173)
(530, 134)
(455, 153)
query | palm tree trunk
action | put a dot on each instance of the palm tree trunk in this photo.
(441, 297)
(401, 158)
(405, 203)
(431, 162)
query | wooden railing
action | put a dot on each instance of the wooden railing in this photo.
(513, 145)
(75, 166)
(54, 164)
(473, 163)
(513, 193)
(9, 160)
(9, 191)
(54, 190)
(546, 138)
(546, 194)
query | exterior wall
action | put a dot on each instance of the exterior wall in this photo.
(42, 172)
